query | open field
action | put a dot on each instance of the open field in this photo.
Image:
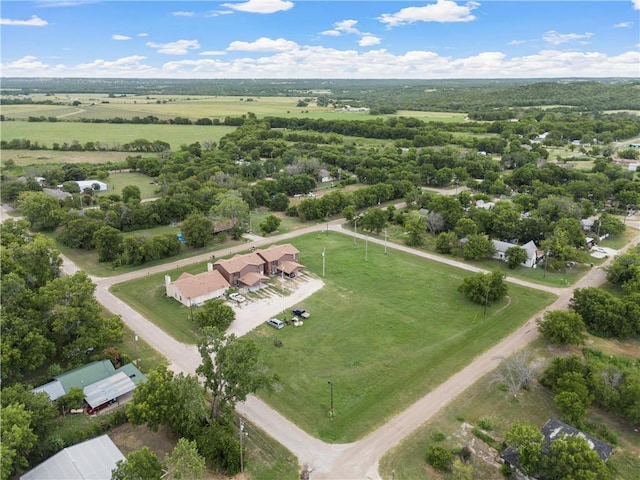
(118, 180)
(48, 133)
(165, 107)
(484, 399)
(43, 158)
(378, 329)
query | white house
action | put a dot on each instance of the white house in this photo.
(92, 184)
(324, 176)
(534, 255)
(191, 289)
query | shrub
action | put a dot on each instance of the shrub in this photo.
(438, 436)
(486, 423)
(439, 458)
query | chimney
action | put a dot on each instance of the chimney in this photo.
(167, 282)
(209, 267)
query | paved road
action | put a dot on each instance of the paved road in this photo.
(359, 459)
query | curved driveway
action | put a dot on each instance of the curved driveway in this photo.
(357, 460)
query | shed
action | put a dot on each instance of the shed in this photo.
(90, 460)
(108, 390)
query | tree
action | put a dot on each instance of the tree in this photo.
(478, 247)
(439, 457)
(415, 227)
(562, 327)
(216, 314)
(279, 202)
(43, 211)
(184, 462)
(435, 222)
(463, 471)
(197, 230)
(231, 368)
(165, 399)
(570, 457)
(447, 242)
(131, 193)
(515, 256)
(515, 373)
(232, 207)
(79, 232)
(43, 412)
(108, 242)
(140, 464)
(484, 288)
(573, 396)
(270, 224)
(604, 314)
(17, 439)
(527, 440)
(374, 220)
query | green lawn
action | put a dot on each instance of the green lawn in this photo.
(378, 330)
(619, 241)
(118, 180)
(484, 399)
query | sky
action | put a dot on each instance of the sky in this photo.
(363, 39)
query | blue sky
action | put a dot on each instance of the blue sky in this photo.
(320, 39)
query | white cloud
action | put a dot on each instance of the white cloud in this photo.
(263, 44)
(636, 4)
(143, 34)
(213, 53)
(555, 38)
(623, 24)
(64, 3)
(443, 11)
(320, 62)
(516, 42)
(217, 13)
(343, 27)
(179, 47)
(260, 6)
(182, 14)
(369, 40)
(34, 21)
(116, 36)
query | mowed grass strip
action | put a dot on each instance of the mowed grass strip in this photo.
(45, 158)
(385, 331)
(48, 133)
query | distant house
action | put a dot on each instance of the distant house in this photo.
(534, 255)
(101, 382)
(242, 270)
(92, 459)
(324, 176)
(92, 184)
(551, 431)
(485, 205)
(281, 259)
(191, 289)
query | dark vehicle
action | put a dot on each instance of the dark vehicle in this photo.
(301, 312)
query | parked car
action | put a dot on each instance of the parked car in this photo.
(275, 323)
(237, 297)
(301, 312)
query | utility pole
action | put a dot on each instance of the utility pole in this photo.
(355, 230)
(323, 261)
(385, 240)
(366, 248)
(241, 454)
(486, 298)
(331, 399)
(137, 356)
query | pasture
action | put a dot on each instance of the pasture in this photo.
(48, 133)
(118, 180)
(100, 106)
(22, 158)
(384, 330)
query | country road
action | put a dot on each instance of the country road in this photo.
(357, 460)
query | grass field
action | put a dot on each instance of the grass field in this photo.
(118, 180)
(43, 158)
(194, 107)
(484, 399)
(111, 134)
(378, 330)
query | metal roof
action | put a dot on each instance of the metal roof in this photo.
(108, 389)
(86, 375)
(90, 460)
(54, 389)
